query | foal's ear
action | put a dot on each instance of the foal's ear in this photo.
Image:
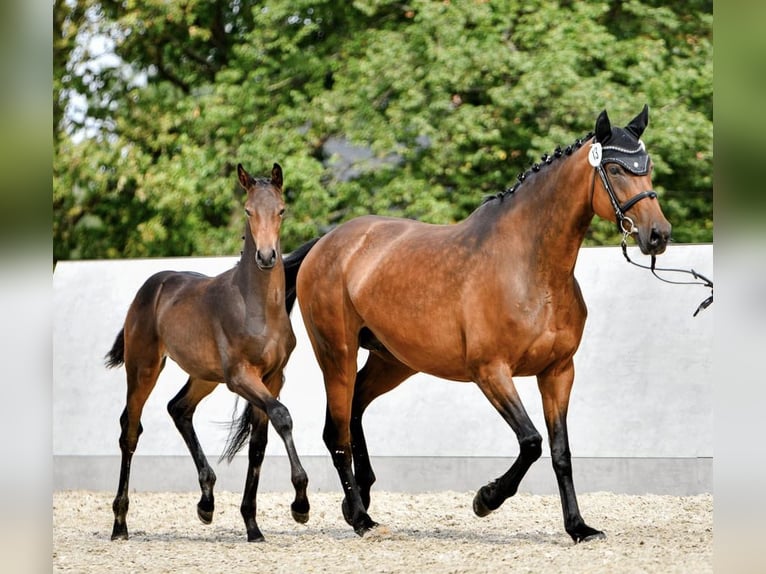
(244, 178)
(276, 175)
(603, 127)
(639, 123)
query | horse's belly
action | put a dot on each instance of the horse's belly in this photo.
(433, 353)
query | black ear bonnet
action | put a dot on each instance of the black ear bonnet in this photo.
(623, 148)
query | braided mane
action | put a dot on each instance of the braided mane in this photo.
(546, 160)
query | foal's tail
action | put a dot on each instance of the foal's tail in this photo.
(238, 433)
(292, 263)
(116, 356)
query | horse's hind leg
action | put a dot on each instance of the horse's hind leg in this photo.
(555, 387)
(381, 373)
(181, 409)
(141, 381)
(496, 383)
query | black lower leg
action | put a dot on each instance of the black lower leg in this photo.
(121, 500)
(182, 414)
(256, 452)
(282, 421)
(365, 476)
(492, 495)
(562, 466)
(354, 511)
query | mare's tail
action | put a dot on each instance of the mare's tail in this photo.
(292, 263)
(116, 356)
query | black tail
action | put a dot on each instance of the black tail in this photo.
(116, 356)
(238, 433)
(292, 263)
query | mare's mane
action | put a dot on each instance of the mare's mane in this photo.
(546, 160)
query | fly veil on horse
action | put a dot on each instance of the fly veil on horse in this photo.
(233, 328)
(485, 300)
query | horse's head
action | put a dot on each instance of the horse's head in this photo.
(624, 193)
(264, 207)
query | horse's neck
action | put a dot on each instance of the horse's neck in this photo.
(263, 291)
(550, 213)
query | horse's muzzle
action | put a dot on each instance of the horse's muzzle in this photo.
(266, 260)
(657, 240)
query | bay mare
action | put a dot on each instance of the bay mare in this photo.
(487, 299)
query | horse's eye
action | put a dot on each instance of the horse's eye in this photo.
(282, 212)
(614, 170)
(248, 212)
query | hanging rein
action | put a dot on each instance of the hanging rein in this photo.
(625, 224)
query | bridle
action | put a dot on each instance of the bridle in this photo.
(598, 156)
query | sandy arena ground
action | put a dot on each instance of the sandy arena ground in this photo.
(432, 532)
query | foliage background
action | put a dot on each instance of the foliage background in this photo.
(415, 109)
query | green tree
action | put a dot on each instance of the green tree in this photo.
(441, 103)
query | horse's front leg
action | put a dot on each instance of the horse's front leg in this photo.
(282, 421)
(496, 383)
(181, 409)
(257, 449)
(246, 382)
(555, 386)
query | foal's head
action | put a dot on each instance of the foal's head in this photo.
(623, 192)
(264, 207)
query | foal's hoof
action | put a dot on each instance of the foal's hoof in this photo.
(480, 509)
(300, 517)
(205, 516)
(585, 534)
(120, 531)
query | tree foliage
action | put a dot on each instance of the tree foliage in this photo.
(417, 110)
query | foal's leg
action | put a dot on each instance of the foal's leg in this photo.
(381, 373)
(555, 386)
(259, 436)
(181, 409)
(281, 420)
(496, 383)
(248, 384)
(142, 376)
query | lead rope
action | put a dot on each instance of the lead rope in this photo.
(702, 280)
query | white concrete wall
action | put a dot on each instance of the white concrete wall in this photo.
(643, 386)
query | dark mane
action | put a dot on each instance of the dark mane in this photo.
(546, 160)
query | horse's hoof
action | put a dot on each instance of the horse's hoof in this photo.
(479, 508)
(205, 516)
(586, 533)
(120, 532)
(255, 536)
(367, 525)
(597, 536)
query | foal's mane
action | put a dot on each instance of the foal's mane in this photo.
(546, 161)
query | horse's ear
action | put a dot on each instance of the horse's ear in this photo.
(639, 123)
(603, 127)
(244, 177)
(276, 175)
